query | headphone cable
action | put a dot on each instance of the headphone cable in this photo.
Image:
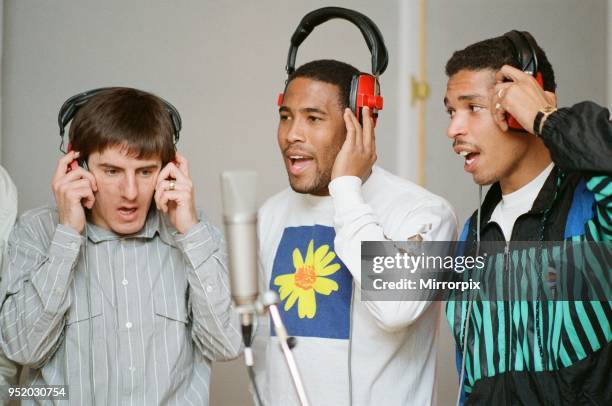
(466, 328)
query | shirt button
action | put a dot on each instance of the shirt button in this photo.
(209, 288)
(128, 325)
(124, 282)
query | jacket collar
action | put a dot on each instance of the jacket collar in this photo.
(542, 202)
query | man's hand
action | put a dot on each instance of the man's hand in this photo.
(73, 190)
(174, 194)
(522, 98)
(358, 153)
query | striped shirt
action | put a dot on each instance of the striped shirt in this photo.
(131, 320)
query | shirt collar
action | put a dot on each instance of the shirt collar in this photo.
(156, 224)
(544, 200)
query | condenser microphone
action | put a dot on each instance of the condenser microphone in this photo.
(239, 195)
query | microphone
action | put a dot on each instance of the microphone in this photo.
(239, 195)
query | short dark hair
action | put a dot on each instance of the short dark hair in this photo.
(329, 71)
(135, 120)
(494, 53)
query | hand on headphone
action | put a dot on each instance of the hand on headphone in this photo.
(522, 97)
(358, 153)
(73, 190)
(174, 194)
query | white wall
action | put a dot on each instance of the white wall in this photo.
(1, 32)
(609, 50)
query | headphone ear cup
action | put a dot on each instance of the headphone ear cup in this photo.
(365, 91)
(352, 102)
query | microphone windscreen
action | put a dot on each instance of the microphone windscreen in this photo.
(239, 193)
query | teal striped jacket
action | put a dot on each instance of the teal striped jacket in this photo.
(546, 350)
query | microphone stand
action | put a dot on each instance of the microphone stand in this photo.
(270, 304)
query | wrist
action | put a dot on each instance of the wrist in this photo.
(77, 227)
(187, 224)
(540, 118)
(186, 227)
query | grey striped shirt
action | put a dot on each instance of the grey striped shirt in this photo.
(156, 312)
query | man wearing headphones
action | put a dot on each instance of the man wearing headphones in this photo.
(348, 351)
(549, 172)
(119, 299)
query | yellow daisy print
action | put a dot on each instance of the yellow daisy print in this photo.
(309, 277)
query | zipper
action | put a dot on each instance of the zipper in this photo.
(510, 315)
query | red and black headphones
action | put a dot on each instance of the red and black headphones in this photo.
(365, 90)
(524, 47)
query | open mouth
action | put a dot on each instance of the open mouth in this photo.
(299, 163)
(471, 158)
(127, 213)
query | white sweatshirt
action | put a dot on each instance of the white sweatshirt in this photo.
(349, 352)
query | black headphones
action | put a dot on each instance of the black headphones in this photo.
(365, 90)
(73, 104)
(371, 34)
(524, 47)
(524, 50)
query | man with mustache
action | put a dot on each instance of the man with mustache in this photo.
(550, 181)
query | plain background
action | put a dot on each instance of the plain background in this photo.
(222, 65)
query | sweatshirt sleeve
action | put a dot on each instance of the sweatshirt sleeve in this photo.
(355, 221)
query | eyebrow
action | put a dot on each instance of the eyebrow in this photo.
(111, 166)
(283, 109)
(465, 97)
(470, 97)
(313, 110)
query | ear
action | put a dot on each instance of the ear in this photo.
(501, 119)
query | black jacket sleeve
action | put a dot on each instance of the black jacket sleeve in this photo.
(580, 138)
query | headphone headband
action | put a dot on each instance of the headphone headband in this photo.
(524, 49)
(73, 104)
(370, 31)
